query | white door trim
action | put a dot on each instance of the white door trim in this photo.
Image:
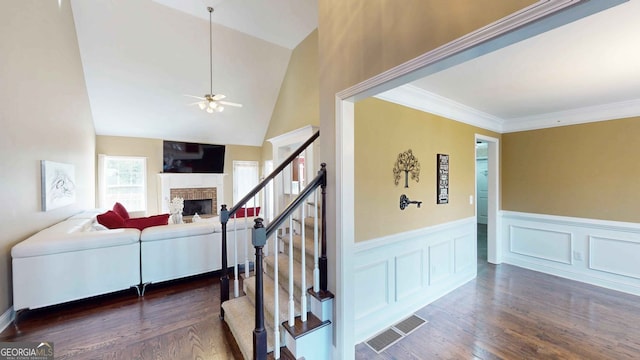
(494, 247)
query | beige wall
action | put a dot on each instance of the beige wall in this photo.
(382, 131)
(45, 115)
(152, 150)
(589, 170)
(359, 39)
(236, 152)
(297, 104)
(128, 146)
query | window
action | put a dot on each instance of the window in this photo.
(245, 178)
(123, 179)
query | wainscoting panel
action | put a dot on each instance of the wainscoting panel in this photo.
(465, 251)
(440, 259)
(373, 279)
(598, 252)
(544, 244)
(399, 274)
(408, 280)
(616, 256)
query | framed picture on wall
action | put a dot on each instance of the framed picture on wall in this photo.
(442, 178)
(58, 184)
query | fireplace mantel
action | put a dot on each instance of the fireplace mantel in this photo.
(168, 181)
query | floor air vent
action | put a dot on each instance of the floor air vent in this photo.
(409, 324)
(382, 341)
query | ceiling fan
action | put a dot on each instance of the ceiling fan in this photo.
(212, 102)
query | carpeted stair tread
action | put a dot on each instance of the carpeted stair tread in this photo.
(268, 297)
(240, 316)
(283, 271)
(297, 250)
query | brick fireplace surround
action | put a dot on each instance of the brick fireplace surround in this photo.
(209, 193)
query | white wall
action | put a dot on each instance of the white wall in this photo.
(399, 274)
(598, 252)
(45, 115)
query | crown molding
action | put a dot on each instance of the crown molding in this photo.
(612, 111)
(414, 97)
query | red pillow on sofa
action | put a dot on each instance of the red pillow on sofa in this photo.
(241, 212)
(145, 222)
(121, 210)
(111, 220)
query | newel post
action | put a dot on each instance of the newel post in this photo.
(224, 279)
(259, 239)
(323, 254)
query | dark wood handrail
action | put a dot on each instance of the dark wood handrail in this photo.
(319, 180)
(273, 174)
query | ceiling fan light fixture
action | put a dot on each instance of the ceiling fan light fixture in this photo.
(213, 104)
(202, 105)
(220, 108)
(209, 110)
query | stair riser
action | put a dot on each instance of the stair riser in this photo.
(283, 279)
(269, 310)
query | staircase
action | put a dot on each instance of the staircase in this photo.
(286, 310)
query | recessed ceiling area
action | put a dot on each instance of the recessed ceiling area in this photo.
(586, 70)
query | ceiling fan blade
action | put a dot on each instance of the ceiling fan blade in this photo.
(195, 97)
(217, 97)
(230, 103)
(195, 103)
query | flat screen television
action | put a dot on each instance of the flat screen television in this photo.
(185, 157)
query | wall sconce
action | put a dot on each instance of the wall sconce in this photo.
(406, 163)
(405, 202)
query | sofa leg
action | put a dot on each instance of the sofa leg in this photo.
(141, 288)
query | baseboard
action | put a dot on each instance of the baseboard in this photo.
(575, 276)
(6, 318)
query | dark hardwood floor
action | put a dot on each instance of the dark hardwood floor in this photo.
(506, 313)
(176, 320)
(512, 313)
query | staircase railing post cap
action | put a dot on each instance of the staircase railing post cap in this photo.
(259, 236)
(224, 213)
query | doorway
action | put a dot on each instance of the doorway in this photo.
(487, 198)
(482, 199)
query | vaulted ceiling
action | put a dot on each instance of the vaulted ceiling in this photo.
(140, 57)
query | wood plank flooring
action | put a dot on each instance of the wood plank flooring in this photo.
(176, 320)
(506, 313)
(512, 313)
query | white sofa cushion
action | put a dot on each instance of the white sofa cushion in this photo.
(155, 233)
(64, 237)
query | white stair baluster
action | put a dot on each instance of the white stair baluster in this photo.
(316, 269)
(246, 244)
(236, 283)
(303, 297)
(292, 309)
(276, 312)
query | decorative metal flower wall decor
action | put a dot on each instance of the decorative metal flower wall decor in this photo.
(406, 163)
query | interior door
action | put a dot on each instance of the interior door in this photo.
(482, 190)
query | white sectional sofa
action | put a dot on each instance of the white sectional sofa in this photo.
(72, 260)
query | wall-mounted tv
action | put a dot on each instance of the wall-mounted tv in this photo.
(185, 157)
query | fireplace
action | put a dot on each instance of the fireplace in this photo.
(204, 201)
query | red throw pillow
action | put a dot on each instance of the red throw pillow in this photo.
(121, 210)
(241, 212)
(111, 220)
(145, 222)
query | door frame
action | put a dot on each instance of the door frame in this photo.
(494, 246)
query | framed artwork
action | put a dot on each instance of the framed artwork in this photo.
(58, 184)
(442, 180)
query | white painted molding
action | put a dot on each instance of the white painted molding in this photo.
(417, 98)
(392, 239)
(613, 111)
(7, 318)
(293, 137)
(409, 70)
(572, 221)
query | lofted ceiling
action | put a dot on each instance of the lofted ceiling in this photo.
(140, 57)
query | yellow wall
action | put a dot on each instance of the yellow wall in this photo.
(589, 170)
(142, 147)
(45, 115)
(382, 131)
(297, 104)
(152, 150)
